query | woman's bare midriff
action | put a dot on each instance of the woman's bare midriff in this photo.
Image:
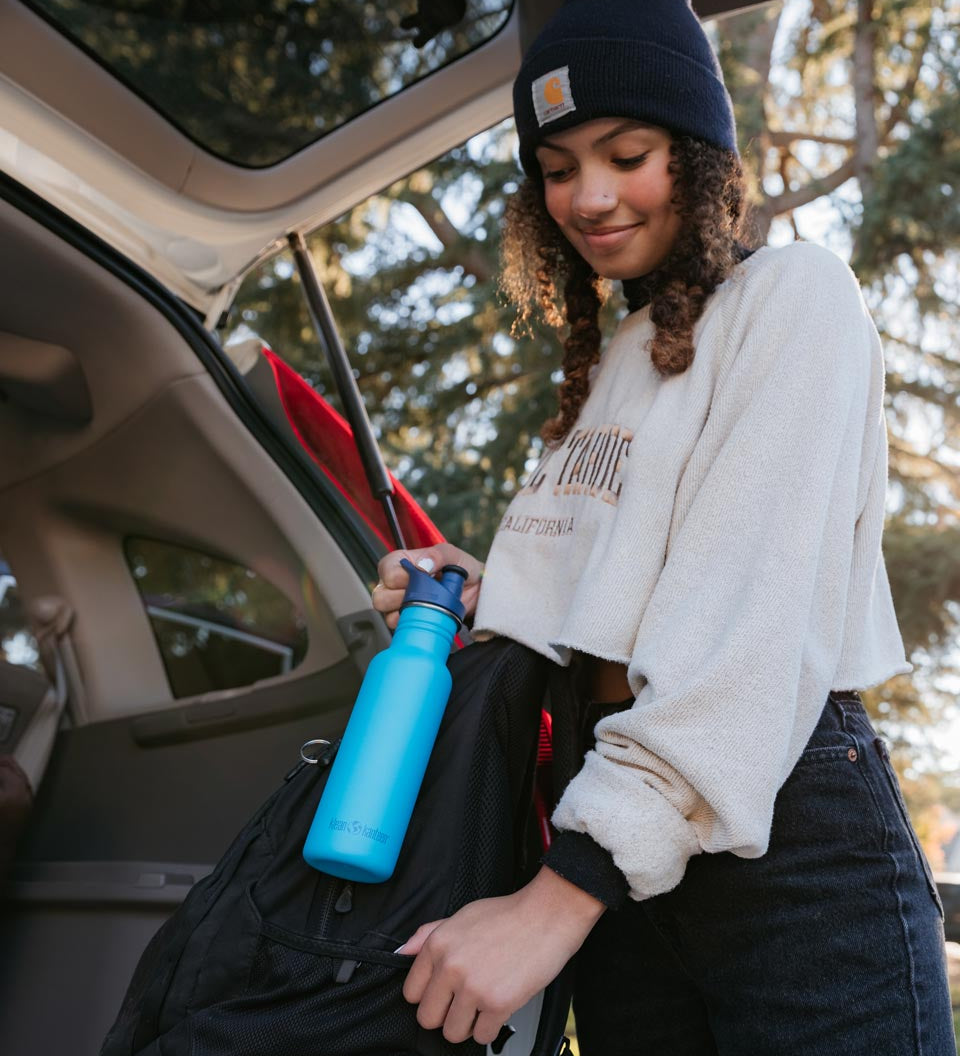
(608, 681)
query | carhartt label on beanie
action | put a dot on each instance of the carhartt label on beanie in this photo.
(552, 97)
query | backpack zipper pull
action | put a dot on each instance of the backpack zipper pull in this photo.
(506, 1033)
(345, 971)
(345, 902)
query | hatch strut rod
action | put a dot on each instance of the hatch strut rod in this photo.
(363, 436)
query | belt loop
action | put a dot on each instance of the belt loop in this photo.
(840, 698)
(834, 707)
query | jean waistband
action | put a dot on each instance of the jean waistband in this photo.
(845, 695)
(609, 708)
(845, 701)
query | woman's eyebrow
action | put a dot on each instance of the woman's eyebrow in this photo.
(552, 146)
(617, 130)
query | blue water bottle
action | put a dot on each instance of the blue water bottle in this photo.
(365, 808)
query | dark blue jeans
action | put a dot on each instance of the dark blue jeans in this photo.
(831, 944)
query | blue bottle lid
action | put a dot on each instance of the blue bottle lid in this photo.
(442, 593)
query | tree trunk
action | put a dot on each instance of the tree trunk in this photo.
(868, 137)
(751, 37)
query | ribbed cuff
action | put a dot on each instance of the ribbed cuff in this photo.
(578, 858)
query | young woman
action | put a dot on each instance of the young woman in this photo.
(702, 542)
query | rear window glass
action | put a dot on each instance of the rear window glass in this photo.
(256, 81)
(17, 643)
(218, 624)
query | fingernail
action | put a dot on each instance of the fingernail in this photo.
(399, 949)
(426, 563)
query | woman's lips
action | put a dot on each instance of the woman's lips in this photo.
(606, 238)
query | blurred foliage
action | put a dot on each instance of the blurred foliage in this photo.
(912, 218)
(925, 580)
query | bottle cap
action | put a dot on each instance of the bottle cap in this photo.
(443, 593)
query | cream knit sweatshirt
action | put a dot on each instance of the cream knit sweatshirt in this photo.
(717, 531)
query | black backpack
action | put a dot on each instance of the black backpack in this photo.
(267, 957)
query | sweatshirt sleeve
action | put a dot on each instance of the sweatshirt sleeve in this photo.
(737, 647)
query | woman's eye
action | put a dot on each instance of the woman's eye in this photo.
(556, 175)
(631, 163)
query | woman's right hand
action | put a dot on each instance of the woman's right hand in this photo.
(388, 593)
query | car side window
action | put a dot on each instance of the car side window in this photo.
(218, 624)
(17, 643)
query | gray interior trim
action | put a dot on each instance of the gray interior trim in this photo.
(64, 971)
(44, 378)
(248, 708)
(127, 883)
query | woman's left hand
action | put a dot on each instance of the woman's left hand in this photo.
(475, 969)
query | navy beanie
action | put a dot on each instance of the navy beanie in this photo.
(645, 59)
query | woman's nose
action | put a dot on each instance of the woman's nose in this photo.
(593, 195)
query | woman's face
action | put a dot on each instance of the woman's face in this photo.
(608, 189)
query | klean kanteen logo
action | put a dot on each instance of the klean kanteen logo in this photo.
(357, 828)
(552, 96)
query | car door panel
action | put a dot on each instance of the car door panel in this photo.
(130, 814)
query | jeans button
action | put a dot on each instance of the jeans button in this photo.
(852, 755)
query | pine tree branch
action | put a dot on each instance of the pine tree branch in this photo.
(864, 94)
(921, 468)
(790, 200)
(785, 138)
(900, 109)
(944, 359)
(472, 261)
(922, 390)
(459, 392)
(948, 363)
(484, 388)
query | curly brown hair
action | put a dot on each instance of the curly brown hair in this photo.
(538, 264)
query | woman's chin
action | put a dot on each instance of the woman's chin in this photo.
(620, 266)
(621, 272)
